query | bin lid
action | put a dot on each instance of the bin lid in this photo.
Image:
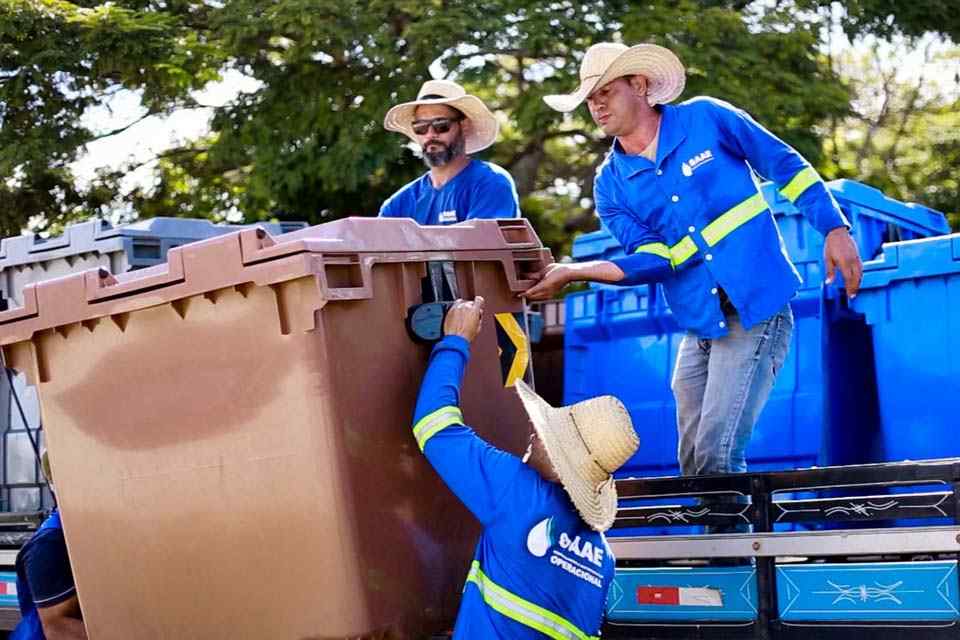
(254, 256)
(874, 203)
(910, 259)
(594, 246)
(102, 237)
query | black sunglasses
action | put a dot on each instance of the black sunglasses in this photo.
(440, 125)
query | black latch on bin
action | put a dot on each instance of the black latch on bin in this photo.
(439, 290)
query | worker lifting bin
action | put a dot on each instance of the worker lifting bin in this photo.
(230, 431)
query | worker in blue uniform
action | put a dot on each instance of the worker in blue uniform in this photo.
(678, 190)
(47, 595)
(542, 566)
(449, 125)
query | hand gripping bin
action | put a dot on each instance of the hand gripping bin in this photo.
(231, 432)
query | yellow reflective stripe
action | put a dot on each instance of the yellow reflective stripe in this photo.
(799, 184)
(656, 248)
(728, 221)
(523, 611)
(682, 251)
(676, 254)
(429, 425)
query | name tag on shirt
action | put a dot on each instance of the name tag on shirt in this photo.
(446, 217)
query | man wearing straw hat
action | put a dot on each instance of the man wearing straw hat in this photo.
(542, 566)
(678, 191)
(49, 607)
(448, 125)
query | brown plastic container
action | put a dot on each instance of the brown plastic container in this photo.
(230, 431)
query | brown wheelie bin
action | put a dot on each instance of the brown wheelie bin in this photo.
(230, 431)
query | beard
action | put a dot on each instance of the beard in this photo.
(445, 154)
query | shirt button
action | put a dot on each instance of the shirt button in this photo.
(675, 198)
(713, 291)
(709, 256)
(691, 229)
(722, 324)
(659, 172)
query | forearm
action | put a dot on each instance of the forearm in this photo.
(441, 382)
(65, 629)
(594, 271)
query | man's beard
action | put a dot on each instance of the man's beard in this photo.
(446, 153)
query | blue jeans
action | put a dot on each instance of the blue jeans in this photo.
(721, 385)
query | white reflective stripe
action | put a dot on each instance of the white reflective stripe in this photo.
(800, 182)
(732, 219)
(430, 424)
(522, 611)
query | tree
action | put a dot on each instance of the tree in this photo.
(903, 132)
(309, 144)
(59, 58)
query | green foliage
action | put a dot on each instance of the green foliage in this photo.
(913, 18)
(308, 142)
(59, 58)
(903, 134)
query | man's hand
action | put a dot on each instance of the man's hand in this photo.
(550, 281)
(841, 251)
(463, 319)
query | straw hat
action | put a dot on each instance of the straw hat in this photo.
(586, 442)
(483, 127)
(608, 61)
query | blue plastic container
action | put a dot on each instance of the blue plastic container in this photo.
(910, 298)
(873, 592)
(683, 594)
(624, 340)
(26, 259)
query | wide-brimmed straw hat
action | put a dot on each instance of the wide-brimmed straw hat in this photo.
(480, 132)
(586, 442)
(608, 61)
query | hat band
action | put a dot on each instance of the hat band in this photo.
(433, 96)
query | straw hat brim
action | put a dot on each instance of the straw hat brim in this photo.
(480, 133)
(661, 67)
(596, 503)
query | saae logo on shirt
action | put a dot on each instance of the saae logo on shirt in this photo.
(448, 216)
(542, 537)
(696, 161)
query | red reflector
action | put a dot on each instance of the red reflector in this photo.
(658, 595)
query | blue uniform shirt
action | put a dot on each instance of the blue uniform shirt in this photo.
(480, 190)
(44, 577)
(696, 221)
(538, 570)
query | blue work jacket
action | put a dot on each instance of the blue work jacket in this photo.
(538, 571)
(696, 221)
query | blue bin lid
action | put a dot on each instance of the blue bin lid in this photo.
(850, 194)
(595, 245)
(910, 259)
(101, 236)
(873, 203)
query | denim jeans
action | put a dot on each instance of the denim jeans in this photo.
(721, 385)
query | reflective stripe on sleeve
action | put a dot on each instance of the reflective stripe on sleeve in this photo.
(656, 248)
(800, 182)
(677, 254)
(431, 424)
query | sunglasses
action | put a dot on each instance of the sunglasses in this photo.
(440, 125)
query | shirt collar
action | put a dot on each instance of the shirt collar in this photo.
(672, 133)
